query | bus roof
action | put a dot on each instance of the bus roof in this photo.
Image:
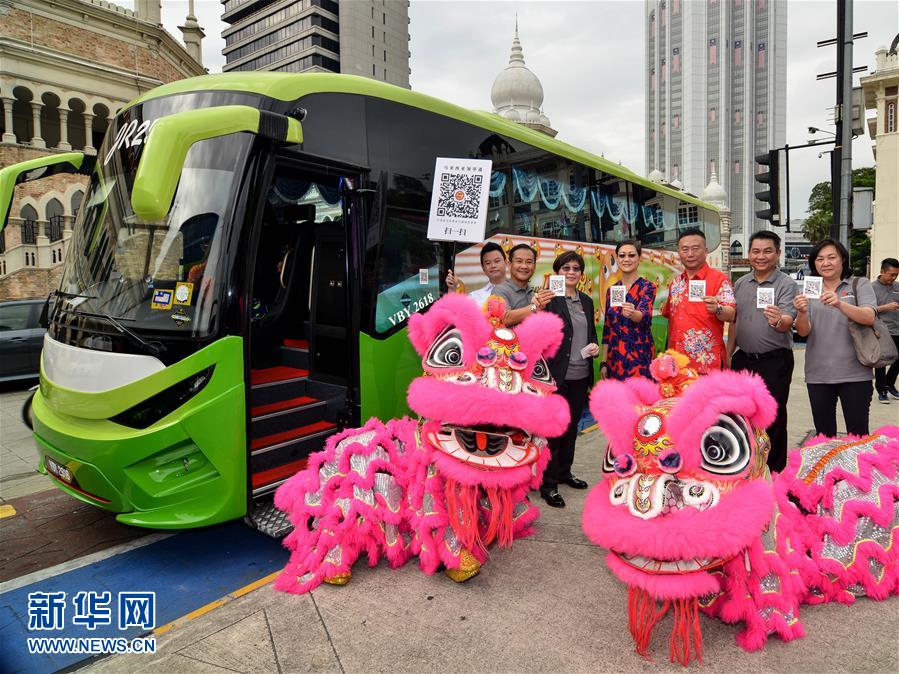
(291, 86)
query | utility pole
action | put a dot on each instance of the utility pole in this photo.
(844, 118)
(841, 158)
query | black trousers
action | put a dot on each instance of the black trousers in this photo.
(855, 399)
(562, 448)
(776, 370)
(884, 378)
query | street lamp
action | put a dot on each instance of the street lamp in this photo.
(815, 129)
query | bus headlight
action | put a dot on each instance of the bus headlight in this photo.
(151, 410)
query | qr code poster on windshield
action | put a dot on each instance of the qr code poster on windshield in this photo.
(459, 200)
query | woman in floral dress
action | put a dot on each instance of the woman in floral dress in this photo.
(627, 342)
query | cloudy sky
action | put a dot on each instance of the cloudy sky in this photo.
(589, 57)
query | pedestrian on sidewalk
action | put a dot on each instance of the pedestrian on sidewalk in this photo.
(760, 340)
(700, 302)
(627, 343)
(832, 370)
(886, 290)
(572, 368)
(493, 264)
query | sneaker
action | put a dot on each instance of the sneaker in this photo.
(893, 392)
(884, 398)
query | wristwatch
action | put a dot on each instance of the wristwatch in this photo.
(534, 308)
(718, 310)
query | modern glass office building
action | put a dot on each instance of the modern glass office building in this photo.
(356, 37)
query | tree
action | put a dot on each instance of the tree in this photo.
(820, 216)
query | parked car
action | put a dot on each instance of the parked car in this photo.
(21, 339)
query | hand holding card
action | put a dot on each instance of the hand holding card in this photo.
(617, 295)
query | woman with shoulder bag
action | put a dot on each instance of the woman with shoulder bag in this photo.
(832, 368)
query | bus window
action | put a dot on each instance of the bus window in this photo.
(549, 200)
(408, 269)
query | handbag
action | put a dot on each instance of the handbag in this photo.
(874, 347)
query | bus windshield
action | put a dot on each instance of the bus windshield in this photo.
(159, 277)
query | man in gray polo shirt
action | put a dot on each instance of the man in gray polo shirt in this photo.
(886, 290)
(760, 340)
(521, 301)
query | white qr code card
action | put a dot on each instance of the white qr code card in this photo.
(764, 297)
(697, 290)
(617, 295)
(812, 287)
(459, 200)
(557, 285)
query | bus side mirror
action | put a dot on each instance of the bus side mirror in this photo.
(35, 169)
(172, 136)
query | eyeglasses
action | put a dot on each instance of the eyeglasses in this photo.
(570, 270)
(627, 255)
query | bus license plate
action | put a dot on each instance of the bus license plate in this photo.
(58, 470)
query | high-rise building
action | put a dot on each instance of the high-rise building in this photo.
(716, 80)
(359, 37)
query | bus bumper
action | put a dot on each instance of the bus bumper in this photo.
(186, 470)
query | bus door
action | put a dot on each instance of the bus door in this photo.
(301, 344)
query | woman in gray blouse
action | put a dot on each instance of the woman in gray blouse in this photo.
(572, 369)
(832, 370)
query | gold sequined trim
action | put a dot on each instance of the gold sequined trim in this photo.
(468, 568)
(339, 579)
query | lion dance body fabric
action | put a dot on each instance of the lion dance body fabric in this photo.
(693, 521)
(446, 486)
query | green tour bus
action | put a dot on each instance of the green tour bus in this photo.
(241, 271)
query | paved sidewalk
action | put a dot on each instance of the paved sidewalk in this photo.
(18, 457)
(548, 604)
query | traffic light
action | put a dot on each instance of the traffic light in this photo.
(768, 176)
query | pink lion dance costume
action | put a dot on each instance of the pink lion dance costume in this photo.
(693, 521)
(444, 487)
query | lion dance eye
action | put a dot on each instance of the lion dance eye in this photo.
(486, 356)
(446, 352)
(541, 372)
(725, 446)
(518, 360)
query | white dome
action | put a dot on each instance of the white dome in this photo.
(656, 176)
(714, 193)
(517, 90)
(516, 85)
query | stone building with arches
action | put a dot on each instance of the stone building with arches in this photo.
(66, 68)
